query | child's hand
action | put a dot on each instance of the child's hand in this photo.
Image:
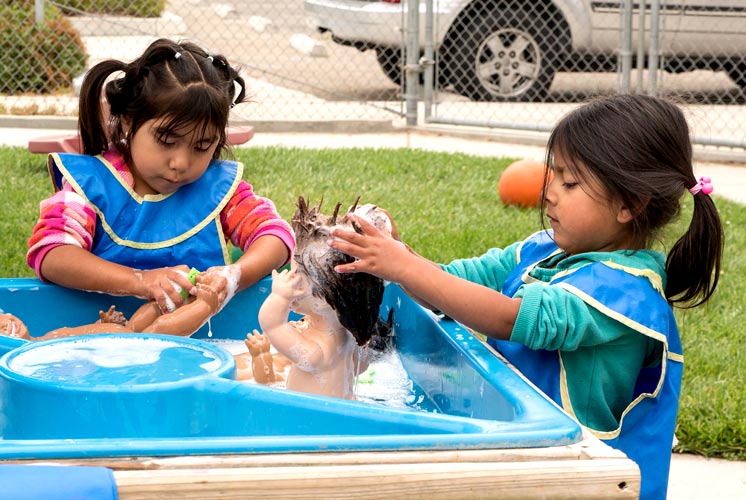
(376, 253)
(223, 279)
(164, 285)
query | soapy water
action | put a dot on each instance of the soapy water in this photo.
(122, 361)
(385, 382)
(114, 361)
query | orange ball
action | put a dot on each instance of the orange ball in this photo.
(521, 183)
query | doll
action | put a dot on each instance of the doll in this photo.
(340, 313)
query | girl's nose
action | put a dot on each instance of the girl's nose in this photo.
(179, 160)
(550, 191)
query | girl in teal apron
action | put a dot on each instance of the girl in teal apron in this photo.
(584, 309)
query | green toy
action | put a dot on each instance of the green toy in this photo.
(193, 278)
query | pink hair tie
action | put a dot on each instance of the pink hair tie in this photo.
(704, 184)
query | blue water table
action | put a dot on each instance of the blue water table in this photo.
(165, 414)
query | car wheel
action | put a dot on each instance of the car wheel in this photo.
(390, 60)
(506, 56)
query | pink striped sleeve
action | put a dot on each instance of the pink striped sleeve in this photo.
(247, 217)
(64, 219)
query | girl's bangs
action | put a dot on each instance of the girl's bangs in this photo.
(194, 113)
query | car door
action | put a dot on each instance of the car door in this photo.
(607, 24)
(709, 28)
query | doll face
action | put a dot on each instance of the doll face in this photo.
(163, 161)
(307, 302)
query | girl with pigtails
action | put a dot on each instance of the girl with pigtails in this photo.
(584, 309)
(149, 198)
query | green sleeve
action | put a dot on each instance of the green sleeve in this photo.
(489, 270)
(552, 318)
(600, 355)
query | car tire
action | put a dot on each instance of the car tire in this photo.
(390, 60)
(507, 55)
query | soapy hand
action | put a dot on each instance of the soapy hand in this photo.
(11, 326)
(164, 285)
(377, 253)
(223, 279)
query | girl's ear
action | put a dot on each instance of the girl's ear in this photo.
(624, 215)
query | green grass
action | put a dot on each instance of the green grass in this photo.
(446, 206)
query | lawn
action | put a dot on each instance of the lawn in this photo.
(446, 206)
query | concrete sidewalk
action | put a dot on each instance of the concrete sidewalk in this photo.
(692, 477)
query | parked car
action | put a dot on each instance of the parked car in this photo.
(510, 50)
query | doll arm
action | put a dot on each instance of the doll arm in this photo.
(190, 317)
(274, 312)
(287, 286)
(262, 364)
(145, 316)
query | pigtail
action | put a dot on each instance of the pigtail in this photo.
(231, 78)
(693, 264)
(92, 120)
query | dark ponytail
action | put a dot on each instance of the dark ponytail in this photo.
(93, 115)
(693, 264)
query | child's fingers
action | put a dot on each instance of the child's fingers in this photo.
(346, 246)
(368, 228)
(352, 267)
(339, 234)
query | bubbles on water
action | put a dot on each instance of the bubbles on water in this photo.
(104, 360)
(386, 382)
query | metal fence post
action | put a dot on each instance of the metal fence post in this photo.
(428, 61)
(626, 49)
(641, 45)
(412, 67)
(39, 11)
(653, 51)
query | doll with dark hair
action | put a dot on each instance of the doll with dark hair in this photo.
(340, 311)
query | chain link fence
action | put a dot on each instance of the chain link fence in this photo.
(516, 64)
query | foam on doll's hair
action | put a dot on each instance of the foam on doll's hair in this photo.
(355, 297)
